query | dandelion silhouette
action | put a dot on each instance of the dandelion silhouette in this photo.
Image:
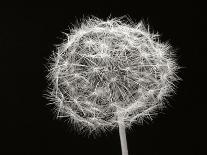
(110, 74)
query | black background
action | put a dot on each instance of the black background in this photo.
(28, 33)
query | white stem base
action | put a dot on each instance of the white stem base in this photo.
(122, 134)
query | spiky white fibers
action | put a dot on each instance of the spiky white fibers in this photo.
(110, 72)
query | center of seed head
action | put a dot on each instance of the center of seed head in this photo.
(99, 91)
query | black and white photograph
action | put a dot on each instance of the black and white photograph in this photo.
(103, 78)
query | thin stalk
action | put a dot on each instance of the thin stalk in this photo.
(122, 134)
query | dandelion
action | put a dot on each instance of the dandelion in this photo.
(110, 74)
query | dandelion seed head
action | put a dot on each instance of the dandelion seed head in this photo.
(111, 72)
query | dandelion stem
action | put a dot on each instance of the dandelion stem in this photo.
(122, 134)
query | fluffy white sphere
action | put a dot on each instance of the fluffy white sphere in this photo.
(110, 72)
